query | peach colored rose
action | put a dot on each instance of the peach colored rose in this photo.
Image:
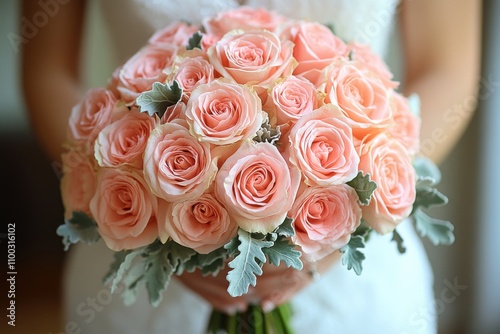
(174, 112)
(91, 115)
(257, 187)
(192, 70)
(176, 166)
(364, 54)
(222, 113)
(406, 128)
(363, 98)
(315, 46)
(292, 98)
(78, 182)
(123, 141)
(244, 18)
(143, 69)
(324, 219)
(177, 33)
(389, 165)
(252, 57)
(322, 147)
(124, 209)
(201, 224)
(208, 40)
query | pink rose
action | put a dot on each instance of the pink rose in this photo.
(177, 166)
(123, 141)
(177, 33)
(292, 98)
(244, 18)
(324, 219)
(143, 69)
(124, 209)
(389, 165)
(201, 224)
(252, 57)
(406, 128)
(363, 98)
(364, 54)
(257, 187)
(174, 112)
(322, 147)
(222, 113)
(78, 182)
(315, 46)
(208, 40)
(193, 70)
(91, 115)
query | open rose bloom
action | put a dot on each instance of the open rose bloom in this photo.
(251, 131)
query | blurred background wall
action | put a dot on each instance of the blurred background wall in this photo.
(30, 198)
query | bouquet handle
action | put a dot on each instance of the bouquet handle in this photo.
(253, 321)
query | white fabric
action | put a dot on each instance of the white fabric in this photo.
(394, 293)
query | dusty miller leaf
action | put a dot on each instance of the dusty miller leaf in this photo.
(283, 250)
(159, 98)
(195, 41)
(364, 187)
(396, 237)
(352, 257)
(246, 265)
(427, 171)
(429, 197)
(211, 261)
(79, 227)
(266, 134)
(286, 228)
(158, 271)
(439, 232)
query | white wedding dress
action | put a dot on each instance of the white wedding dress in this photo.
(394, 293)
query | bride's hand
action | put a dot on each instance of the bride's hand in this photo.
(276, 286)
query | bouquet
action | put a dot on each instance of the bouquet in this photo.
(249, 139)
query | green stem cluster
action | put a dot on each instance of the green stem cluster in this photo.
(253, 321)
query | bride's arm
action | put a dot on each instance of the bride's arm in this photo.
(50, 72)
(442, 62)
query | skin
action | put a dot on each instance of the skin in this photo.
(442, 57)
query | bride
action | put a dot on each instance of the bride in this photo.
(394, 293)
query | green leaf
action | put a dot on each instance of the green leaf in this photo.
(351, 256)
(178, 255)
(286, 228)
(267, 134)
(427, 171)
(232, 246)
(247, 264)
(214, 261)
(123, 267)
(159, 98)
(161, 262)
(115, 265)
(195, 41)
(213, 268)
(439, 232)
(79, 227)
(429, 197)
(363, 229)
(283, 250)
(134, 276)
(396, 237)
(158, 272)
(364, 187)
(330, 26)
